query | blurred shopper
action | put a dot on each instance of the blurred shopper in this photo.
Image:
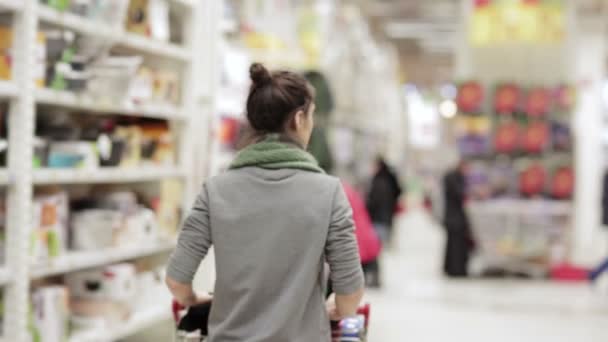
(459, 237)
(367, 238)
(274, 219)
(382, 200)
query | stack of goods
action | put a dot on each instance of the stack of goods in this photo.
(154, 19)
(528, 127)
(6, 47)
(6, 55)
(95, 301)
(50, 314)
(63, 142)
(82, 65)
(50, 231)
(111, 219)
(472, 126)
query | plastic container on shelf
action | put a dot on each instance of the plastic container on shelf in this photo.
(111, 78)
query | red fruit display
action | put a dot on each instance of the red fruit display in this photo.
(470, 97)
(507, 99)
(535, 137)
(562, 183)
(537, 102)
(506, 139)
(532, 180)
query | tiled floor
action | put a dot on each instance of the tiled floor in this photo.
(418, 305)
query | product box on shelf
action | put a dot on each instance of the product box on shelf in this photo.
(6, 55)
(50, 310)
(50, 219)
(6, 42)
(108, 293)
(95, 229)
(73, 154)
(133, 138)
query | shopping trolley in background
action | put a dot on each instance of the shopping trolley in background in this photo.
(191, 324)
(520, 236)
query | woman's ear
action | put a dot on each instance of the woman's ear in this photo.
(299, 120)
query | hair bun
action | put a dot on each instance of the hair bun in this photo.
(259, 74)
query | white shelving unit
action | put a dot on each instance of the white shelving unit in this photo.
(106, 175)
(87, 103)
(20, 178)
(118, 37)
(76, 261)
(8, 89)
(11, 5)
(138, 322)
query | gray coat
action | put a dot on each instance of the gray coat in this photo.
(273, 231)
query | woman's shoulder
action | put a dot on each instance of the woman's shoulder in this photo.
(243, 174)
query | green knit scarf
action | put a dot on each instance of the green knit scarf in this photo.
(273, 153)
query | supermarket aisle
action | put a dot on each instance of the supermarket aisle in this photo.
(418, 305)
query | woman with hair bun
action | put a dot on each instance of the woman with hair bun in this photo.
(275, 219)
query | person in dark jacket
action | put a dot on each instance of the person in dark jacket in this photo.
(382, 199)
(456, 222)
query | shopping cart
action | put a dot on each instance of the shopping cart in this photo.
(520, 236)
(191, 324)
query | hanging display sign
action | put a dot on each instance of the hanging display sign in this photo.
(495, 22)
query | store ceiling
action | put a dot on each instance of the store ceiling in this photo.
(424, 32)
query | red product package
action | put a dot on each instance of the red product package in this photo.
(507, 98)
(532, 180)
(538, 102)
(470, 97)
(507, 137)
(536, 137)
(562, 183)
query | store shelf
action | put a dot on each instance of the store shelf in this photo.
(147, 45)
(75, 261)
(88, 103)
(12, 5)
(4, 276)
(105, 175)
(4, 176)
(8, 89)
(91, 28)
(185, 3)
(138, 322)
(76, 23)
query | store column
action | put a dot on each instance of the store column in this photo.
(589, 70)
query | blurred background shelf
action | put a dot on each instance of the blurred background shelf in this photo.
(8, 89)
(75, 261)
(87, 103)
(105, 175)
(76, 23)
(119, 37)
(12, 5)
(5, 276)
(154, 47)
(138, 322)
(4, 176)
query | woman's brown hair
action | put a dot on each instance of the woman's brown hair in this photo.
(275, 97)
